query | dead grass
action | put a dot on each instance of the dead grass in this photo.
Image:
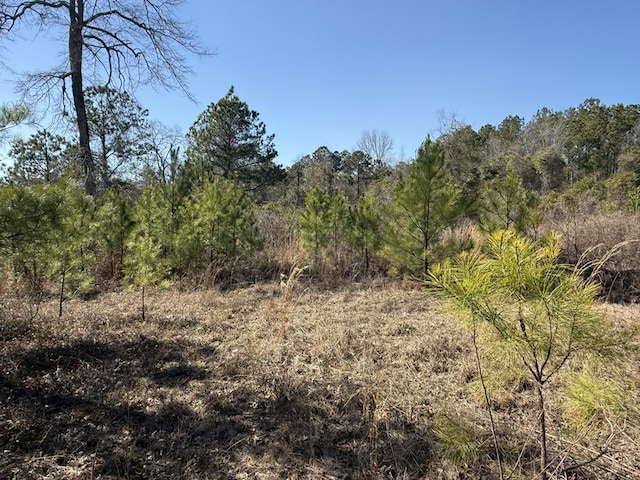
(253, 384)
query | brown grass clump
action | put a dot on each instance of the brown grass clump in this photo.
(271, 381)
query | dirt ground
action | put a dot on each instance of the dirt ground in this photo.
(259, 384)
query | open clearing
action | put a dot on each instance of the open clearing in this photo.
(249, 384)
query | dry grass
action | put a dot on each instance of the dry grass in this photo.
(253, 383)
(591, 237)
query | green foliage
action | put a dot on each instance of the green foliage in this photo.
(12, 115)
(145, 264)
(346, 173)
(365, 232)
(41, 159)
(112, 225)
(595, 136)
(590, 195)
(361, 170)
(218, 226)
(549, 167)
(315, 223)
(339, 220)
(538, 308)
(553, 150)
(463, 149)
(68, 253)
(510, 128)
(44, 234)
(506, 204)
(25, 216)
(229, 140)
(537, 312)
(27, 219)
(120, 134)
(325, 225)
(424, 205)
(322, 169)
(149, 240)
(632, 204)
(456, 439)
(590, 400)
(148, 243)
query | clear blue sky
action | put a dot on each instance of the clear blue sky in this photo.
(319, 72)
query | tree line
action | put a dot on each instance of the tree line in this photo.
(353, 212)
(208, 204)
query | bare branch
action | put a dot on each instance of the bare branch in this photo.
(378, 145)
(127, 40)
(11, 14)
(149, 43)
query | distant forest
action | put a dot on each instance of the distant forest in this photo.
(214, 208)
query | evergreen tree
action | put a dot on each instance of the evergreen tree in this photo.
(365, 232)
(27, 217)
(229, 140)
(424, 205)
(113, 223)
(315, 224)
(535, 312)
(218, 226)
(361, 170)
(505, 203)
(463, 149)
(339, 220)
(120, 135)
(323, 169)
(43, 158)
(12, 115)
(69, 257)
(542, 140)
(148, 243)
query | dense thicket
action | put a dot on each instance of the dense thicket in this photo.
(226, 210)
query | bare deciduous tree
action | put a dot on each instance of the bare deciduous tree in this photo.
(377, 144)
(121, 41)
(448, 122)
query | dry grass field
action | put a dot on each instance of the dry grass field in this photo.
(358, 382)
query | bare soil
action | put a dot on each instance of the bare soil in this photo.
(254, 384)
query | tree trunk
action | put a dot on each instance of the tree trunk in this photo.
(544, 462)
(425, 253)
(76, 19)
(143, 306)
(61, 298)
(366, 260)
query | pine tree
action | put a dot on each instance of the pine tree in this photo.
(315, 224)
(68, 253)
(505, 204)
(424, 205)
(229, 140)
(365, 232)
(218, 226)
(28, 216)
(43, 158)
(112, 225)
(538, 314)
(148, 243)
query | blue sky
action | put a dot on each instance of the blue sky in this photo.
(320, 72)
